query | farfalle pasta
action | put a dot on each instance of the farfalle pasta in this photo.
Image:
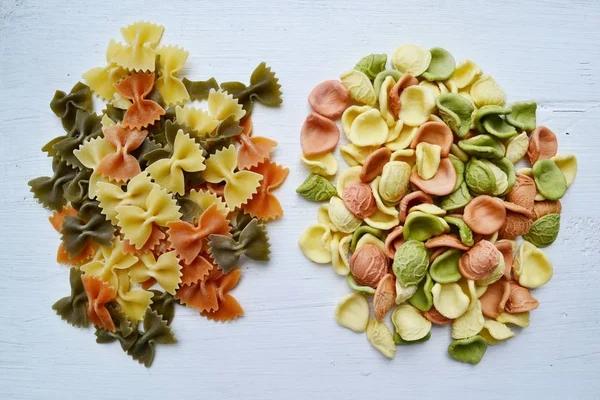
(158, 202)
(426, 215)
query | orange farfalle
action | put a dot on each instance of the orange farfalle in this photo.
(264, 205)
(120, 165)
(142, 112)
(156, 237)
(62, 256)
(228, 307)
(187, 239)
(254, 150)
(99, 293)
(246, 124)
(197, 270)
(201, 295)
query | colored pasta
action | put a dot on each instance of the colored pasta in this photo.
(157, 202)
(426, 216)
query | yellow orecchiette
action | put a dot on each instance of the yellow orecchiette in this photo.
(315, 243)
(410, 323)
(360, 87)
(323, 164)
(341, 217)
(449, 300)
(381, 338)
(532, 267)
(417, 103)
(352, 312)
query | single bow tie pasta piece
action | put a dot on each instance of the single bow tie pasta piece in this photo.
(426, 216)
(159, 201)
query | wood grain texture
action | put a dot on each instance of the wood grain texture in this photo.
(288, 345)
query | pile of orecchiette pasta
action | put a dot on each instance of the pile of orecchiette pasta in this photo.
(426, 218)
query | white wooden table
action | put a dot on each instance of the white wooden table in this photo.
(288, 345)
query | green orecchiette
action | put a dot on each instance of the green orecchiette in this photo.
(316, 188)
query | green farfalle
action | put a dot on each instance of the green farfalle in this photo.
(401, 342)
(198, 90)
(456, 111)
(381, 77)
(76, 191)
(316, 188)
(222, 136)
(156, 331)
(544, 231)
(422, 299)
(115, 114)
(73, 308)
(264, 87)
(457, 199)
(549, 179)
(86, 126)
(372, 65)
(410, 262)
(522, 115)
(470, 350)
(147, 146)
(462, 229)
(441, 66)
(491, 119)
(89, 223)
(163, 304)
(482, 146)
(189, 209)
(253, 242)
(126, 330)
(238, 222)
(49, 190)
(363, 230)
(422, 226)
(459, 167)
(65, 105)
(444, 269)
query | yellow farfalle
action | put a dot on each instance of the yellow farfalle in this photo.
(187, 156)
(133, 302)
(172, 89)
(136, 221)
(205, 199)
(102, 79)
(198, 120)
(139, 51)
(239, 186)
(90, 154)
(222, 105)
(108, 260)
(166, 270)
(111, 195)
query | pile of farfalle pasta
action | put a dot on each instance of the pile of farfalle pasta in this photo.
(427, 216)
(155, 199)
